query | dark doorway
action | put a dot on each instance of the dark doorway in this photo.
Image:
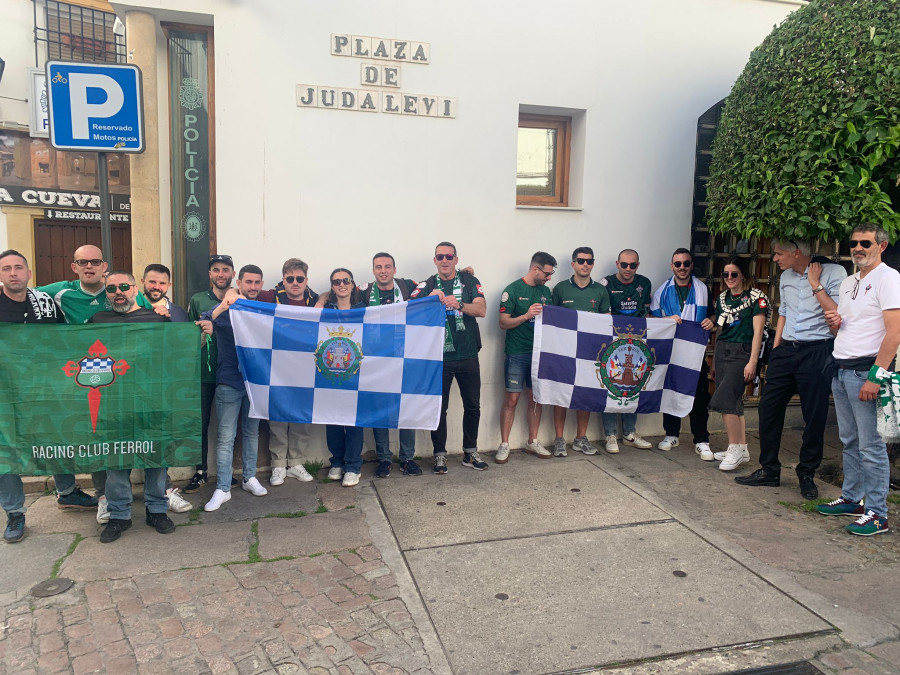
(56, 240)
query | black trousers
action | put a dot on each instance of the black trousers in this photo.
(468, 376)
(699, 413)
(805, 370)
(207, 396)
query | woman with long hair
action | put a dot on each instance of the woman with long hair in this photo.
(741, 312)
(344, 443)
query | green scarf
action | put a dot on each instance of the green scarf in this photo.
(456, 313)
(375, 296)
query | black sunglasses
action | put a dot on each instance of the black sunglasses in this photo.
(865, 243)
(628, 266)
(730, 275)
(677, 264)
(444, 256)
(291, 279)
(341, 282)
(95, 262)
(122, 287)
(584, 261)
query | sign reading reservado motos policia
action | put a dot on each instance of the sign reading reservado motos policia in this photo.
(381, 68)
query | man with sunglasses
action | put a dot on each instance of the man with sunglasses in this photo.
(520, 303)
(121, 292)
(867, 321)
(221, 274)
(463, 299)
(685, 297)
(629, 295)
(800, 363)
(583, 294)
(288, 440)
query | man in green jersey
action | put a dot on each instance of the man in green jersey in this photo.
(581, 293)
(520, 303)
(629, 295)
(221, 274)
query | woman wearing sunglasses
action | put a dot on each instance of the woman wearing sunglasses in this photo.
(344, 443)
(741, 313)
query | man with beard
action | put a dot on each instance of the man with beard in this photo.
(121, 291)
(156, 281)
(221, 274)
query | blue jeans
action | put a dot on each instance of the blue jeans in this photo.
(383, 448)
(232, 404)
(119, 494)
(12, 493)
(345, 445)
(629, 423)
(867, 472)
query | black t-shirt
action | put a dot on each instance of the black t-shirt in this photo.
(37, 307)
(140, 315)
(405, 286)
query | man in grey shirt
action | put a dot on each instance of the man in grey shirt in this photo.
(800, 363)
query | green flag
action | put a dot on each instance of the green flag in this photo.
(75, 399)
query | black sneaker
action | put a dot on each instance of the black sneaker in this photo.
(808, 488)
(161, 522)
(384, 469)
(15, 528)
(440, 464)
(77, 499)
(234, 482)
(410, 468)
(197, 481)
(113, 530)
(473, 461)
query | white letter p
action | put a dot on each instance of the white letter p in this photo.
(79, 83)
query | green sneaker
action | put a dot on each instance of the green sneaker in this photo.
(841, 507)
(868, 525)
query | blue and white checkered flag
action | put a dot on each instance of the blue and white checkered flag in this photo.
(369, 367)
(606, 363)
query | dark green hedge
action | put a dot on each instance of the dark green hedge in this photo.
(808, 141)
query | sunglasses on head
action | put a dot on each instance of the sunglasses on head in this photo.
(122, 287)
(584, 261)
(865, 243)
(94, 262)
(444, 256)
(730, 275)
(628, 266)
(341, 282)
(677, 264)
(292, 278)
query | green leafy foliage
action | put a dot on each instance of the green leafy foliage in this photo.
(808, 142)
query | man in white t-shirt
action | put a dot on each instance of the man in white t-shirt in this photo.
(868, 322)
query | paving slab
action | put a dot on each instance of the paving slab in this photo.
(316, 533)
(30, 561)
(143, 551)
(290, 497)
(524, 497)
(866, 591)
(506, 606)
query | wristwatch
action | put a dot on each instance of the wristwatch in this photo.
(818, 288)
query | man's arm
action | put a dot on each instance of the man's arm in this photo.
(886, 353)
(508, 322)
(825, 296)
(779, 329)
(476, 308)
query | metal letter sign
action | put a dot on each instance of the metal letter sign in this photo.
(95, 107)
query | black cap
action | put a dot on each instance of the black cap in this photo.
(218, 258)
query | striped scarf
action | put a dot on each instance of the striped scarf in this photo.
(667, 303)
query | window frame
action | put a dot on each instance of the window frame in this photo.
(563, 126)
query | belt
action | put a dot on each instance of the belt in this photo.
(805, 343)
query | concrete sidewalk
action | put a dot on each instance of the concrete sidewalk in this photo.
(642, 562)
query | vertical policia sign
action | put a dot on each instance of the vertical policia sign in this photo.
(96, 108)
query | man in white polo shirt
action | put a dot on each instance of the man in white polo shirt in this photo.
(867, 320)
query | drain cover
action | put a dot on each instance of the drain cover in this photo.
(51, 587)
(796, 668)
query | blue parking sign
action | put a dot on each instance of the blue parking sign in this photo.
(95, 107)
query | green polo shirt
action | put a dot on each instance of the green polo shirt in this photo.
(741, 329)
(629, 299)
(77, 305)
(591, 298)
(515, 301)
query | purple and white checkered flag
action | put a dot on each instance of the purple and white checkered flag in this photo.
(606, 363)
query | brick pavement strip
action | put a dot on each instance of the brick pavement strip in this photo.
(323, 614)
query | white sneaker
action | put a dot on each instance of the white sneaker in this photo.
(278, 474)
(538, 450)
(705, 453)
(300, 473)
(253, 487)
(350, 479)
(177, 503)
(502, 456)
(102, 510)
(218, 498)
(719, 456)
(335, 473)
(668, 443)
(734, 457)
(636, 441)
(612, 444)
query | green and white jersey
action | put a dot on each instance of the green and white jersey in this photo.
(591, 298)
(629, 299)
(515, 301)
(77, 305)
